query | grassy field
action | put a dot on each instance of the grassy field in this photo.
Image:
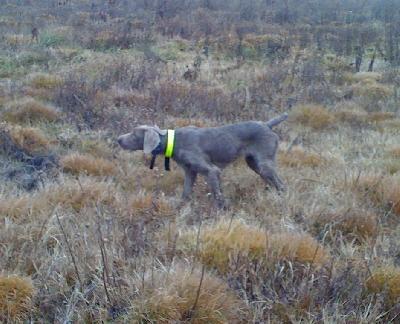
(90, 235)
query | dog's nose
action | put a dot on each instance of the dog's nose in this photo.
(119, 140)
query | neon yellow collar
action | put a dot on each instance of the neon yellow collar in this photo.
(169, 150)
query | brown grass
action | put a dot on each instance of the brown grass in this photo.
(353, 224)
(313, 116)
(383, 191)
(15, 298)
(170, 298)
(29, 139)
(394, 152)
(183, 122)
(297, 157)
(385, 280)
(147, 204)
(77, 163)
(45, 81)
(29, 110)
(221, 245)
(351, 117)
(373, 91)
(380, 116)
(75, 195)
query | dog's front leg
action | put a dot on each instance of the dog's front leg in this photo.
(190, 178)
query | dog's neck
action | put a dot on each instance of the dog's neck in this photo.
(160, 149)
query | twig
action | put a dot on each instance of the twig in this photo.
(105, 274)
(193, 310)
(70, 252)
(197, 242)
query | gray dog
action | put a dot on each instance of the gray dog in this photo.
(208, 150)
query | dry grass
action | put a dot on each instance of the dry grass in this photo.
(77, 163)
(373, 91)
(172, 298)
(383, 191)
(313, 116)
(146, 204)
(45, 81)
(72, 194)
(183, 122)
(380, 116)
(31, 140)
(297, 157)
(225, 244)
(29, 110)
(15, 299)
(385, 280)
(352, 223)
(393, 152)
(352, 117)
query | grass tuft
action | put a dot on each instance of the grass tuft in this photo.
(298, 157)
(76, 164)
(73, 194)
(15, 298)
(224, 244)
(353, 224)
(314, 116)
(385, 280)
(171, 296)
(29, 110)
(45, 81)
(30, 140)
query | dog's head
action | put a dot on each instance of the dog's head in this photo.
(144, 138)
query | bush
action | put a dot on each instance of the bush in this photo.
(171, 296)
(15, 299)
(29, 110)
(76, 163)
(313, 116)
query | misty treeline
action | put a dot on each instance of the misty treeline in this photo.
(366, 29)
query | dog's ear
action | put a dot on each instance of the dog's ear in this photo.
(151, 139)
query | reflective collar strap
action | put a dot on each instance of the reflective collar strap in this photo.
(169, 151)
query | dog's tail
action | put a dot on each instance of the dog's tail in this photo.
(277, 120)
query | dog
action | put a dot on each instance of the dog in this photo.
(207, 151)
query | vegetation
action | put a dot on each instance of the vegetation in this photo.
(89, 234)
